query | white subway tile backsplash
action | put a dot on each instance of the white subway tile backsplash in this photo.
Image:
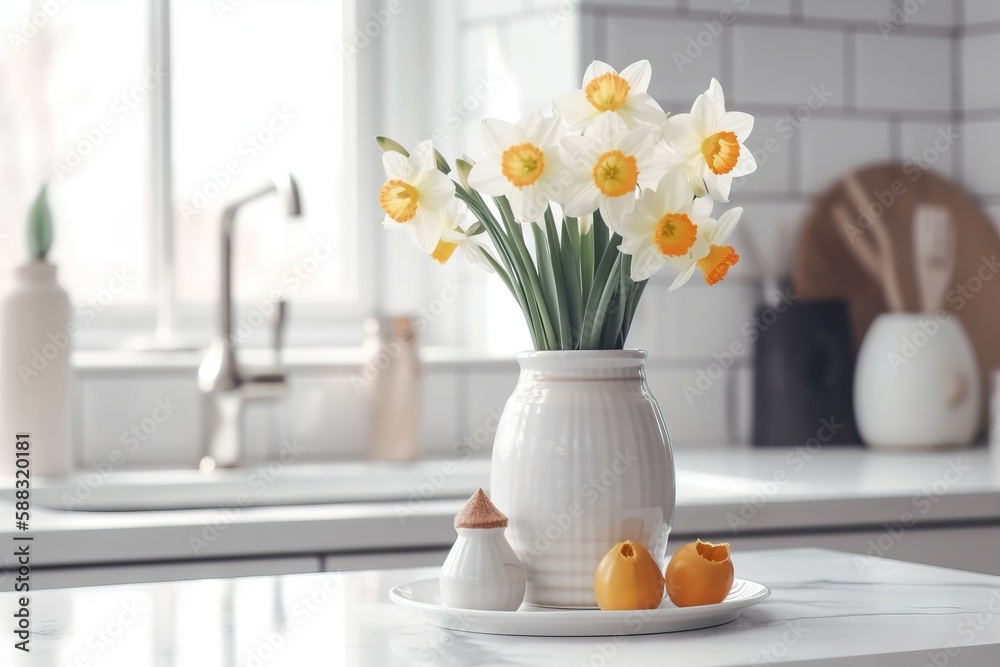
(784, 66)
(980, 147)
(132, 421)
(773, 151)
(980, 75)
(926, 12)
(772, 228)
(439, 415)
(780, 8)
(980, 11)
(856, 11)
(833, 146)
(685, 54)
(694, 403)
(903, 72)
(486, 394)
(931, 144)
(701, 322)
(325, 413)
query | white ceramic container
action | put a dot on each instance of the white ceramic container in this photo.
(482, 572)
(916, 385)
(581, 462)
(35, 342)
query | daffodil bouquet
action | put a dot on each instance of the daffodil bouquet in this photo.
(610, 189)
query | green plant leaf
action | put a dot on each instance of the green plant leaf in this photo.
(40, 225)
(570, 265)
(605, 283)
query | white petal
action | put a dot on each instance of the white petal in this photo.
(575, 109)
(639, 224)
(727, 223)
(614, 209)
(737, 122)
(746, 164)
(389, 223)
(585, 222)
(395, 164)
(473, 251)
(638, 75)
(582, 200)
(436, 190)
(653, 163)
(702, 207)
(607, 129)
(715, 90)
(543, 132)
(425, 230)
(718, 184)
(486, 177)
(499, 135)
(527, 204)
(674, 191)
(683, 277)
(679, 133)
(642, 110)
(422, 157)
(594, 70)
(706, 113)
(645, 264)
(635, 140)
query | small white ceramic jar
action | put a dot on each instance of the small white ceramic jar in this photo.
(482, 571)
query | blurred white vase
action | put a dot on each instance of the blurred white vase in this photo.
(916, 385)
(581, 462)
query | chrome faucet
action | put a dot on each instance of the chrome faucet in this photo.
(225, 387)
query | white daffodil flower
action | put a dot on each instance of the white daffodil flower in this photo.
(664, 225)
(415, 194)
(452, 236)
(709, 141)
(605, 91)
(522, 163)
(708, 252)
(605, 165)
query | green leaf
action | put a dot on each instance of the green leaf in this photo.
(570, 264)
(587, 260)
(635, 293)
(40, 225)
(616, 307)
(388, 145)
(605, 283)
(601, 230)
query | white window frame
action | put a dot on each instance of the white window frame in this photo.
(312, 324)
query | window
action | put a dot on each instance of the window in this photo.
(255, 89)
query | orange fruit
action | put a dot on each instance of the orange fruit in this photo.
(628, 578)
(699, 573)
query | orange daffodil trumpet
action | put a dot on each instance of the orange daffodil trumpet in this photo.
(709, 143)
(609, 190)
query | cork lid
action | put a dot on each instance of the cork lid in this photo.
(480, 512)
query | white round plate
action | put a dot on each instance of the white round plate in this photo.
(424, 597)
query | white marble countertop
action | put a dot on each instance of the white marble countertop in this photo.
(764, 491)
(824, 610)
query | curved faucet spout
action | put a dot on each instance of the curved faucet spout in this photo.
(219, 376)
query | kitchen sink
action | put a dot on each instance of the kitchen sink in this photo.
(265, 484)
(274, 484)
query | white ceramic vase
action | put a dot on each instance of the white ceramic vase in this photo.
(581, 462)
(916, 385)
(482, 572)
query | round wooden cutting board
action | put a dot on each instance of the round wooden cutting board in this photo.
(824, 268)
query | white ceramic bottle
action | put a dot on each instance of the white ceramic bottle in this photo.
(35, 341)
(35, 337)
(482, 571)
